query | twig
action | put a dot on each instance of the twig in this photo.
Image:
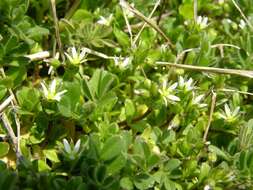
(134, 120)
(148, 21)
(243, 15)
(7, 123)
(140, 24)
(195, 10)
(56, 26)
(11, 134)
(210, 116)
(144, 25)
(238, 91)
(99, 54)
(38, 56)
(6, 103)
(128, 26)
(243, 73)
(198, 48)
(72, 9)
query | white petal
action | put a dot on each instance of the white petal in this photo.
(45, 90)
(202, 105)
(227, 110)
(181, 81)
(77, 146)
(116, 60)
(50, 70)
(222, 116)
(58, 96)
(164, 84)
(102, 20)
(189, 82)
(82, 54)
(61, 93)
(52, 88)
(198, 99)
(205, 20)
(165, 101)
(74, 53)
(173, 86)
(173, 98)
(199, 19)
(66, 146)
(236, 111)
(69, 57)
(126, 62)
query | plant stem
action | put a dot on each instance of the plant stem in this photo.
(147, 20)
(243, 73)
(56, 26)
(210, 116)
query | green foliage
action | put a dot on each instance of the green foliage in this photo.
(100, 113)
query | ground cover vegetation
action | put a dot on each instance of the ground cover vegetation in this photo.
(131, 95)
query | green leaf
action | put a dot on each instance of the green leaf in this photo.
(172, 164)
(121, 37)
(51, 155)
(112, 148)
(4, 148)
(37, 32)
(129, 109)
(116, 165)
(87, 91)
(29, 99)
(204, 171)
(168, 184)
(42, 166)
(218, 152)
(144, 181)
(82, 15)
(186, 10)
(126, 183)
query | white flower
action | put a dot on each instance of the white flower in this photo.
(70, 152)
(166, 92)
(156, 150)
(50, 93)
(122, 62)
(242, 24)
(185, 85)
(105, 21)
(197, 100)
(128, 13)
(221, 2)
(207, 187)
(202, 22)
(52, 62)
(229, 20)
(228, 114)
(76, 58)
(164, 48)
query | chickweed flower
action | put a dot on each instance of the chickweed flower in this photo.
(197, 100)
(122, 62)
(242, 24)
(76, 58)
(185, 85)
(50, 92)
(228, 114)
(207, 187)
(202, 22)
(70, 150)
(167, 92)
(105, 21)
